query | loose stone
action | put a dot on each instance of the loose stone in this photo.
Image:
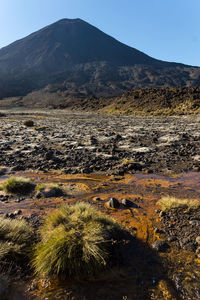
(160, 246)
(113, 202)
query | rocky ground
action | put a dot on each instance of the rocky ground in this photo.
(91, 143)
(114, 145)
(181, 226)
(180, 231)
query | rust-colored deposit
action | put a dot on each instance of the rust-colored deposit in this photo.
(144, 191)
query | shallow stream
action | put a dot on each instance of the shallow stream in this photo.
(174, 274)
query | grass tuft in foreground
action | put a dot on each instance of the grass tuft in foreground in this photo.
(15, 240)
(168, 202)
(17, 185)
(77, 241)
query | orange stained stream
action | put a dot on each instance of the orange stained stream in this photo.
(144, 190)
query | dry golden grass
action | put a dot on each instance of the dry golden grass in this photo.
(168, 202)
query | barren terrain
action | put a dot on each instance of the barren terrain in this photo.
(92, 143)
(98, 158)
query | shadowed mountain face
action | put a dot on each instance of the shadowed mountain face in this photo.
(74, 58)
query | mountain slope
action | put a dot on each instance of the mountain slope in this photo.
(73, 57)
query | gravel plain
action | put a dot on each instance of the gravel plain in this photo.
(92, 143)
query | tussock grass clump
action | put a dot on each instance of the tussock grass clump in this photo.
(28, 123)
(168, 202)
(76, 241)
(15, 239)
(17, 185)
(50, 189)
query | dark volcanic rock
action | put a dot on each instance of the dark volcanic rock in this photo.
(113, 202)
(160, 246)
(79, 143)
(182, 227)
(128, 203)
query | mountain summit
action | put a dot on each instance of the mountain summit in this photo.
(77, 58)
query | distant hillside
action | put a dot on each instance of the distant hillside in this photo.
(156, 101)
(75, 59)
(150, 101)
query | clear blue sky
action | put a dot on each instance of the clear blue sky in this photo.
(164, 29)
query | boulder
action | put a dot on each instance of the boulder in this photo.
(113, 203)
